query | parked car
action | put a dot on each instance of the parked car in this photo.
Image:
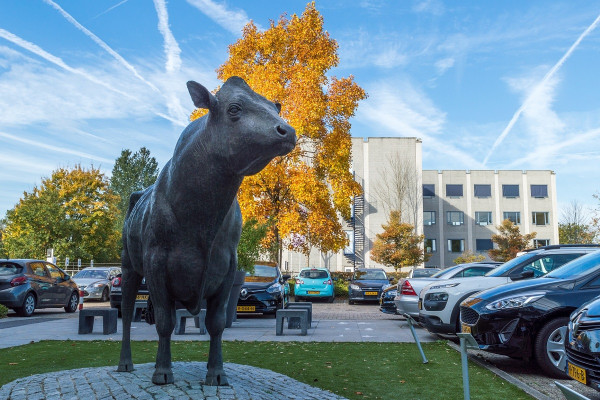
(314, 283)
(407, 297)
(528, 319)
(439, 303)
(26, 285)
(367, 284)
(96, 282)
(264, 290)
(386, 301)
(422, 272)
(115, 292)
(582, 344)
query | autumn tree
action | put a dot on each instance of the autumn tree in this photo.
(306, 191)
(132, 172)
(249, 248)
(468, 257)
(398, 245)
(509, 241)
(73, 212)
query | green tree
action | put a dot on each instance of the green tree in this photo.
(132, 172)
(249, 248)
(509, 241)
(573, 227)
(468, 257)
(398, 245)
(73, 212)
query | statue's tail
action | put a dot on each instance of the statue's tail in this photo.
(133, 199)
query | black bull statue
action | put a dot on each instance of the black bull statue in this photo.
(182, 233)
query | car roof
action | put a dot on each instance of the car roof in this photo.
(314, 269)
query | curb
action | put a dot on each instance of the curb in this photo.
(509, 378)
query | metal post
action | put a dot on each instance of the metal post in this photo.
(465, 367)
(414, 333)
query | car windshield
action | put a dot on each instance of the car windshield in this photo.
(423, 273)
(265, 271)
(313, 274)
(91, 274)
(446, 272)
(10, 269)
(507, 266)
(370, 275)
(577, 268)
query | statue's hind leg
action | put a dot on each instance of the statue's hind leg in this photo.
(164, 313)
(131, 281)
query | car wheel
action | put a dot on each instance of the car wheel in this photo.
(105, 295)
(550, 348)
(350, 302)
(330, 299)
(71, 306)
(28, 306)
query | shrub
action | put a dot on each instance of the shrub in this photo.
(3, 311)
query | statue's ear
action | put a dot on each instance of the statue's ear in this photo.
(201, 97)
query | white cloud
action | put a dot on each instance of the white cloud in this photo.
(434, 7)
(233, 21)
(444, 64)
(172, 50)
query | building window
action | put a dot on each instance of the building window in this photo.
(455, 217)
(428, 217)
(510, 191)
(483, 217)
(456, 245)
(349, 249)
(540, 218)
(454, 190)
(430, 246)
(483, 244)
(483, 190)
(428, 190)
(539, 191)
(541, 242)
(514, 216)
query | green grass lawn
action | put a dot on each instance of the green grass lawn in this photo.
(352, 370)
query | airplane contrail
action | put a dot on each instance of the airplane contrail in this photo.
(111, 8)
(538, 87)
(101, 43)
(172, 49)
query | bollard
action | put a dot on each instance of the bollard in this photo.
(80, 300)
(467, 341)
(411, 322)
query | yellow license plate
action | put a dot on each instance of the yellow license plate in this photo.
(577, 373)
(141, 297)
(313, 292)
(246, 308)
(371, 293)
(420, 304)
(466, 329)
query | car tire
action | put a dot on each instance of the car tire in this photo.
(71, 306)
(28, 306)
(330, 299)
(350, 302)
(549, 348)
(105, 295)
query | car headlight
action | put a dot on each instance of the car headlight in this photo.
(441, 296)
(448, 285)
(98, 285)
(276, 288)
(513, 302)
(354, 287)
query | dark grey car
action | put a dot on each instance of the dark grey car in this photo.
(26, 285)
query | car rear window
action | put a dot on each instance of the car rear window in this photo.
(10, 269)
(423, 273)
(314, 274)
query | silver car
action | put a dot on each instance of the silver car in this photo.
(96, 282)
(407, 298)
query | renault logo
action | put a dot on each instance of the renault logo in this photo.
(244, 293)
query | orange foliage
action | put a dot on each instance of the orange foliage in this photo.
(305, 191)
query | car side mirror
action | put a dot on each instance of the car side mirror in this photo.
(523, 275)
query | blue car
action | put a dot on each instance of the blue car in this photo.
(314, 283)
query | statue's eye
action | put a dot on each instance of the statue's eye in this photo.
(234, 109)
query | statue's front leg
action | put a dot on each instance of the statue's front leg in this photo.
(131, 282)
(164, 312)
(215, 324)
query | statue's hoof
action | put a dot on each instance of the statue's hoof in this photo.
(162, 378)
(216, 379)
(125, 367)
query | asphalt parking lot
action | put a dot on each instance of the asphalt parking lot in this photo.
(342, 311)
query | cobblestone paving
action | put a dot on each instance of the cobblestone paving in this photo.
(246, 383)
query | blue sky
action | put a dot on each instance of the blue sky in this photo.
(486, 85)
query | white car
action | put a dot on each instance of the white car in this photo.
(409, 288)
(439, 302)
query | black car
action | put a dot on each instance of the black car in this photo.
(583, 344)
(26, 285)
(367, 284)
(386, 301)
(528, 319)
(264, 291)
(115, 292)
